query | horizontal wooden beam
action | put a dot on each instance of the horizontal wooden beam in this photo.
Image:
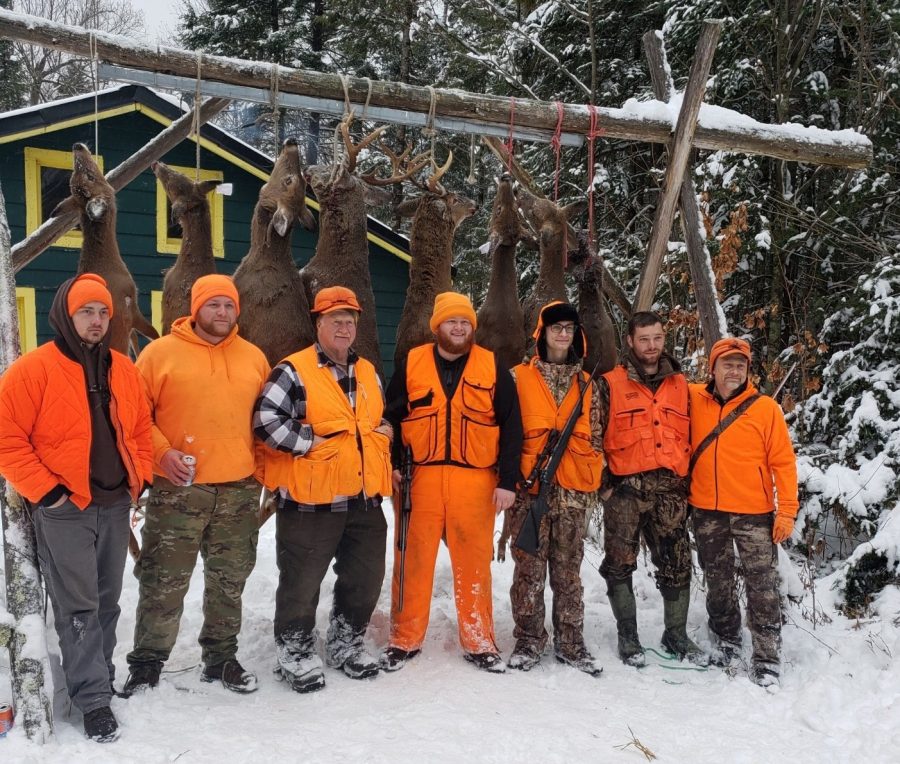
(845, 149)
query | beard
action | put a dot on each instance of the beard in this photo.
(455, 346)
(215, 329)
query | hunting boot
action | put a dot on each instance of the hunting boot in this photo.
(675, 638)
(621, 600)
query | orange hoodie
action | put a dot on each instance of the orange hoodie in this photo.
(201, 399)
(737, 472)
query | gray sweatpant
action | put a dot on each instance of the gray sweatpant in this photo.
(82, 556)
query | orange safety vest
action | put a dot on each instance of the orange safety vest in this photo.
(353, 457)
(580, 467)
(465, 432)
(646, 430)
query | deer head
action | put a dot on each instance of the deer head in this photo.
(184, 194)
(548, 221)
(506, 227)
(90, 193)
(451, 207)
(284, 194)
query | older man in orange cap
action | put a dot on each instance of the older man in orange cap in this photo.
(328, 458)
(201, 380)
(744, 495)
(75, 442)
(459, 415)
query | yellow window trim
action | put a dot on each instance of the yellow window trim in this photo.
(156, 309)
(67, 123)
(25, 303)
(216, 211)
(35, 159)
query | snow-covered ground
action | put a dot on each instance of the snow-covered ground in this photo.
(838, 701)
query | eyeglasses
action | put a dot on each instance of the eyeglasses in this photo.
(562, 328)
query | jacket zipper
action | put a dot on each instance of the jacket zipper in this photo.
(716, 458)
(123, 451)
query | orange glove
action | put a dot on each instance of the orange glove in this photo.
(783, 528)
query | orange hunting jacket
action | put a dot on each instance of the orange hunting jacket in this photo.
(45, 425)
(750, 464)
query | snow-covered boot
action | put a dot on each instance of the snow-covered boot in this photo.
(395, 658)
(675, 638)
(765, 675)
(302, 670)
(524, 657)
(621, 600)
(490, 662)
(580, 659)
(724, 652)
(233, 676)
(101, 726)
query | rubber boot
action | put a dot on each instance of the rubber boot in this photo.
(675, 638)
(621, 600)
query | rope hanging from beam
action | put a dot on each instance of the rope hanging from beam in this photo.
(197, 117)
(276, 112)
(556, 143)
(593, 133)
(95, 75)
(510, 140)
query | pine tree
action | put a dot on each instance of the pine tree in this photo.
(12, 86)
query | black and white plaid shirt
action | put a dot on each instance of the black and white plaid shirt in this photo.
(279, 413)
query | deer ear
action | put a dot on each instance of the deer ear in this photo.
(308, 220)
(574, 209)
(65, 207)
(206, 186)
(407, 208)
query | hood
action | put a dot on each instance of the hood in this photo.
(94, 359)
(554, 312)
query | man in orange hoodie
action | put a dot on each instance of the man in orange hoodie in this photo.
(744, 495)
(201, 381)
(75, 442)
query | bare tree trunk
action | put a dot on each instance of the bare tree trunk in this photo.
(26, 638)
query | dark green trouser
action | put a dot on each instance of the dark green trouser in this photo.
(218, 521)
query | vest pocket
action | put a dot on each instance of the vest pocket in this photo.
(420, 432)
(477, 396)
(480, 443)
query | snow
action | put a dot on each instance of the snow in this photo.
(837, 677)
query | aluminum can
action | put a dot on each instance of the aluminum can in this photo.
(6, 718)
(190, 462)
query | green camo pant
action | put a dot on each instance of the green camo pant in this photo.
(218, 521)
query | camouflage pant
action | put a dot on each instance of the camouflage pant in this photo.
(717, 534)
(659, 514)
(561, 549)
(219, 521)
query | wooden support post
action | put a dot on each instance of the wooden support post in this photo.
(611, 287)
(712, 318)
(779, 141)
(24, 598)
(679, 152)
(119, 177)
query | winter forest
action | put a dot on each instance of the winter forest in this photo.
(806, 262)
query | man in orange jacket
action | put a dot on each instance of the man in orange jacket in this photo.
(647, 447)
(75, 442)
(549, 387)
(201, 380)
(320, 414)
(744, 495)
(459, 413)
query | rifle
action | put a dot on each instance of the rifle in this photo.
(405, 512)
(528, 539)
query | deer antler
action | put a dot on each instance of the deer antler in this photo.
(353, 149)
(400, 171)
(432, 182)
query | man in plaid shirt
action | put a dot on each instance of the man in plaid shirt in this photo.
(320, 414)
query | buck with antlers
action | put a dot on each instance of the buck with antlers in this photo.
(190, 207)
(95, 201)
(436, 215)
(274, 310)
(549, 222)
(501, 321)
(342, 252)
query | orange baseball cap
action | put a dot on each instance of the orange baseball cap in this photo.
(335, 298)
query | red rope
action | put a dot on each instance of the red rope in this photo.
(509, 140)
(594, 133)
(556, 142)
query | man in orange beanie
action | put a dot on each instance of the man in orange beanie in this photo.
(458, 412)
(744, 495)
(75, 442)
(320, 414)
(201, 380)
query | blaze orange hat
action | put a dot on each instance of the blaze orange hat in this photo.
(335, 298)
(452, 305)
(88, 287)
(213, 285)
(729, 346)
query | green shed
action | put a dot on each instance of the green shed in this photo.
(35, 164)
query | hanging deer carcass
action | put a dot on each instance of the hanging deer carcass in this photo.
(501, 322)
(190, 207)
(94, 199)
(598, 326)
(436, 215)
(274, 310)
(342, 251)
